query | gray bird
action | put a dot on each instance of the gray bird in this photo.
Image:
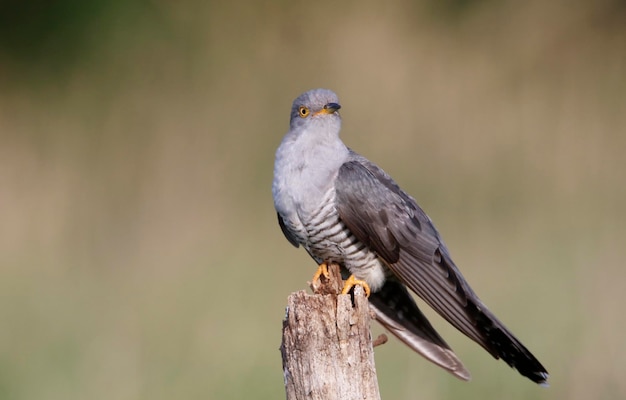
(344, 209)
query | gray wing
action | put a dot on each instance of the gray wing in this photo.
(290, 236)
(390, 223)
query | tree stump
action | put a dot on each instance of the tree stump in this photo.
(327, 346)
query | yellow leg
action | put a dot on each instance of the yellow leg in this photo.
(321, 270)
(352, 281)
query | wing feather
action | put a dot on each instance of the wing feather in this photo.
(415, 247)
(390, 223)
(288, 234)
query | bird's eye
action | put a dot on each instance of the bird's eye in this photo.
(303, 112)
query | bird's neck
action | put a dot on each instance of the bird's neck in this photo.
(318, 153)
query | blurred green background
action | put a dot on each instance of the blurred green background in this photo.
(140, 254)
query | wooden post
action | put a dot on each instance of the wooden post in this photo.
(327, 346)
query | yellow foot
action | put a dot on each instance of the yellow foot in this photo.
(322, 270)
(351, 282)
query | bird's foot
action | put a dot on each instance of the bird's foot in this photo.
(327, 279)
(321, 270)
(352, 281)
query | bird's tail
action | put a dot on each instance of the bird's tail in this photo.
(501, 343)
(396, 310)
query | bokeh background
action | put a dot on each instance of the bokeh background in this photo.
(140, 256)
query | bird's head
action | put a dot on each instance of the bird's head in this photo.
(316, 108)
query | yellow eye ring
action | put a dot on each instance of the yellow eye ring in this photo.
(303, 112)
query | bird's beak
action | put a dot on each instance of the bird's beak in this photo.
(329, 108)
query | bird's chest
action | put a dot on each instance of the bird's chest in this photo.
(308, 209)
(309, 216)
(305, 172)
(304, 185)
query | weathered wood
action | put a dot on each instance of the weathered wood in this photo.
(327, 347)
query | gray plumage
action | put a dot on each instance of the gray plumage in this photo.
(343, 208)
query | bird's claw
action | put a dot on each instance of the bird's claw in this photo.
(321, 270)
(352, 281)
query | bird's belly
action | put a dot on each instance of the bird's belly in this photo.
(329, 240)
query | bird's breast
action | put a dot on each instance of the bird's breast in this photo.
(304, 196)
